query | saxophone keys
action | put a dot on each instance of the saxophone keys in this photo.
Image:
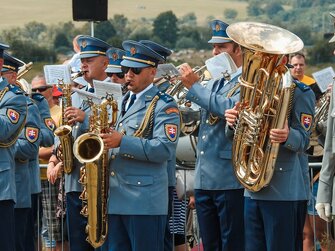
(83, 195)
(84, 211)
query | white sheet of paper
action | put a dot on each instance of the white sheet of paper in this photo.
(324, 78)
(84, 95)
(167, 70)
(102, 88)
(54, 73)
(220, 64)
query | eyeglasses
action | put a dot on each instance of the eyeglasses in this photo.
(119, 74)
(41, 89)
(136, 71)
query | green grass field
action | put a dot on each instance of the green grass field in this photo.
(49, 12)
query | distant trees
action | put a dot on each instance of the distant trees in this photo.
(165, 28)
(230, 13)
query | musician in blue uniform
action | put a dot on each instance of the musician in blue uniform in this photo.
(274, 216)
(94, 63)
(12, 115)
(26, 147)
(113, 70)
(218, 195)
(138, 193)
(168, 242)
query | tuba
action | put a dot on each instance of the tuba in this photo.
(64, 132)
(266, 97)
(89, 149)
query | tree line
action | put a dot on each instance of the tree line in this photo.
(44, 43)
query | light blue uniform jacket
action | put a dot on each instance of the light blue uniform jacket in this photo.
(214, 169)
(138, 168)
(26, 148)
(290, 181)
(13, 110)
(71, 180)
(46, 140)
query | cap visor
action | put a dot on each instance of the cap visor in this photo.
(133, 64)
(113, 70)
(219, 41)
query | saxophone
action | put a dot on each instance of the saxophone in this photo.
(266, 96)
(64, 132)
(89, 149)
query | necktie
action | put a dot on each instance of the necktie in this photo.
(132, 100)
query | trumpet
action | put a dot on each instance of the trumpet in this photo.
(24, 69)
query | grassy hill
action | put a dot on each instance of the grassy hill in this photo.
(51, 11)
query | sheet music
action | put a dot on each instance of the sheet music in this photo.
(324, 78)
(102, 88)
(54, 73)
(167, 70)
(220, 65)
(85, 95)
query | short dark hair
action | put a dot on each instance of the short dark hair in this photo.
(298, 54)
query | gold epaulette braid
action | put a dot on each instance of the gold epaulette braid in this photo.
(147, 122)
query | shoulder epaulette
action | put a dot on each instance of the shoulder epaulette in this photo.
(15, 89)
(166, 97)
(37, 96)
(301, 86)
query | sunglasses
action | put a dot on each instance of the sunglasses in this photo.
(41, 89)
(136, 71)
(119, 74)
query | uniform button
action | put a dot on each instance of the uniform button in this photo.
(138, 182)
(112, 156)
(136, 125)
(120, 125)
(202, 152)
(206, 121)
(112, 174)
(203, 137)
(281, 169)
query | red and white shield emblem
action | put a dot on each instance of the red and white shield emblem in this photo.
(306, 121)
(31, 134)
(13, 116)
(50, 124)
(171, 131)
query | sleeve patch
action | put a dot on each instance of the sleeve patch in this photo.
(50, 124)
(172, 110)
(13, 116)
(306, 121)
(171, 131)
(31, 134)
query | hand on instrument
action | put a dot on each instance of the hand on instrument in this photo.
(280, 135)
(188, 77)
(324, 211)
(111, 139)
(231, 115)
(74, 114)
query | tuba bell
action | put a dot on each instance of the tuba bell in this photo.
(265, 95)
(89, 149)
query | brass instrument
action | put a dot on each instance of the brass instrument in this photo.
(265, 95)
(64, 132)
(24, 85)
(89, 149)
(320, 118)
(79, 74)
